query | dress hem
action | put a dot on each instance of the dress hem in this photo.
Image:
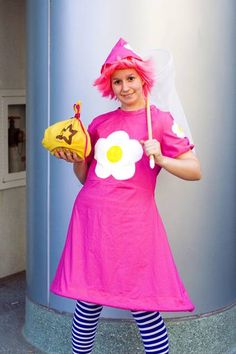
(161, 308)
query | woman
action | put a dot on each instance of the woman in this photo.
(117, 253)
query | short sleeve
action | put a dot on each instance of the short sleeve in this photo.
(91, 132)
(173, 140)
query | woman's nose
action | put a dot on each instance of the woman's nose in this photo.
(125, 86)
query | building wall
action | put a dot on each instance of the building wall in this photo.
(12, 76)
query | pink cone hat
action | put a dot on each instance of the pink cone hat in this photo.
(121, 50)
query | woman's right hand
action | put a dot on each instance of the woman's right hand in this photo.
(80, 166)
(67, 155)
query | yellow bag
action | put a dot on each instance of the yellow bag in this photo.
(68, 134)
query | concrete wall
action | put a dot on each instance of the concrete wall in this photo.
(12, 76)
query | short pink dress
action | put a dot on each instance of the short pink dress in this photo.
(116, 252)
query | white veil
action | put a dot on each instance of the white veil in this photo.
(164, 94)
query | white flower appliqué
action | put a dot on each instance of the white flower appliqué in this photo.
(178, 130)
(116, 156)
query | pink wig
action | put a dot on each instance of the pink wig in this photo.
(144, 69)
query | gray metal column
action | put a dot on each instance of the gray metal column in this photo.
(38, 168)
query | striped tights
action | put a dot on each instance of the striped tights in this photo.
(151, 326)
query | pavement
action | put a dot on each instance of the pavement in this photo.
(12, 315)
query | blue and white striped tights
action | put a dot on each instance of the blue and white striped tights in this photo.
(151, 326)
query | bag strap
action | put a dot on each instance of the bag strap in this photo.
(77, 107)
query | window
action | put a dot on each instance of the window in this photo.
(12, 138)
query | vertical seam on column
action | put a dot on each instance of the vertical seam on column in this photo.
(48, 162)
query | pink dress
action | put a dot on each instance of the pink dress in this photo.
(116, 252)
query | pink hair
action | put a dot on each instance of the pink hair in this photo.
(144, 69)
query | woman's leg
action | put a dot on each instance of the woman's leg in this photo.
(84, 327)
(153, 332)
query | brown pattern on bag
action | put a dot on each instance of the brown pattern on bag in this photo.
(67, 139)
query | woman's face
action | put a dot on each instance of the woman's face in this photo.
(127, 86)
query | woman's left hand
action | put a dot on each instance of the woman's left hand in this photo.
(153, 147)
(185, 166)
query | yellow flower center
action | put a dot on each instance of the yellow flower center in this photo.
(114, 154)
(179, 129)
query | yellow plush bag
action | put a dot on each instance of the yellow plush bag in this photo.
(68, 134)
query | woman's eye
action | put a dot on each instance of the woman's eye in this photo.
(131, 78)
(116, 82)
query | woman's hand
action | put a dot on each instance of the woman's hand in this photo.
(67, 155)
(153, 147)
(185, 166)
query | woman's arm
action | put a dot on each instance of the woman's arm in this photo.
(81, 170)
(185, 166)
(80, 167)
